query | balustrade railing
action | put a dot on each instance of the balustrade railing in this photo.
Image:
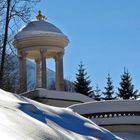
(111, 114)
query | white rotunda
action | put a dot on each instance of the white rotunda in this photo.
(40, 40)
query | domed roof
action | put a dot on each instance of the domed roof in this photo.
(40, 33)
(41, 25)
(39, 28)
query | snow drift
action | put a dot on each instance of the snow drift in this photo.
(24, 119)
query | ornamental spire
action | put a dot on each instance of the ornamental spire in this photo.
(40, 16)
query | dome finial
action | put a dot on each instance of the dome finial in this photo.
(40, 16)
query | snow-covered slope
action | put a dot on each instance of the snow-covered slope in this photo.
(24, 119)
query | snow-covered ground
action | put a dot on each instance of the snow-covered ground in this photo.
(24, 119)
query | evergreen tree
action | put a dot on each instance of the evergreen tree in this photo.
(109, 89)
(97, 94)
(82, 83)
(126, 90)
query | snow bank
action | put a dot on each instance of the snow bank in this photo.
(24, 119)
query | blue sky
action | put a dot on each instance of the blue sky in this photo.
(104, 34)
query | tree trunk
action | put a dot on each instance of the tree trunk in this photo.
(4, 43)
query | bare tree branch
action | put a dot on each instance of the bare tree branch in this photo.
(13, 13)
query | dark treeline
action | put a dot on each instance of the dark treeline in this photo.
(125, 90)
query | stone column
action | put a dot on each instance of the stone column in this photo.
(43, 68)
(22, 71)
(59, 71)
(38, 73)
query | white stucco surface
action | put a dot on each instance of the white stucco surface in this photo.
(107, 106)
(39, 28)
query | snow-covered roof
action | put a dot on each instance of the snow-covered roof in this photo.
(41, 25)
(24, 119)
(107, 106)
(112, 114)
(39, 28)
(59, 95)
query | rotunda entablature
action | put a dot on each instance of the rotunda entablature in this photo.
(46, 40)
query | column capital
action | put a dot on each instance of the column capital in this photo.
(37, 60)
(43, 52)
(22, 54)
(59, 55)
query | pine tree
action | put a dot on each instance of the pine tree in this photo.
(82, 83)
(97, 94)
(109, 89)
(126, 90)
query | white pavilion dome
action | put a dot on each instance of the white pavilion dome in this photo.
(39, 28)
(40, 34)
